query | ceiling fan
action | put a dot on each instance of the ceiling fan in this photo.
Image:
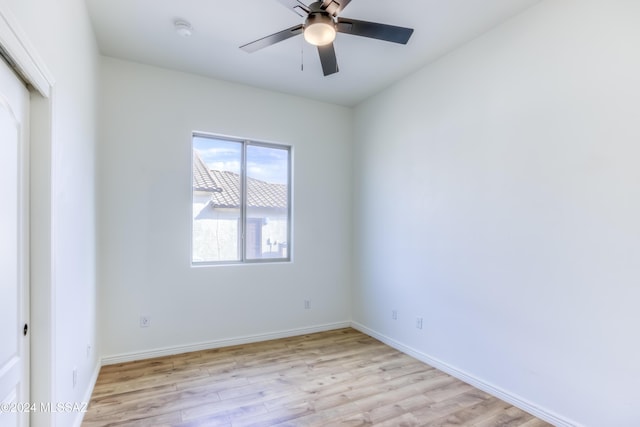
(320, 28)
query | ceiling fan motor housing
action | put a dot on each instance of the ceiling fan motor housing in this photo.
(319, 18)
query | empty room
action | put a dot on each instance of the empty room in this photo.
(342, 212)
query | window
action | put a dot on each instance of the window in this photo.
(241, 201)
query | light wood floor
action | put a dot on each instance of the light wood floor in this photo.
(336, 378)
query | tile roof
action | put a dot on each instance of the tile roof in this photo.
(202, 179)
(224, 187)
(260, 194)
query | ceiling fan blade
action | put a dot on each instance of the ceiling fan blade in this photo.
(334, 7)
(296, 6)
(328, 59)
(272, 39)
(373, 30)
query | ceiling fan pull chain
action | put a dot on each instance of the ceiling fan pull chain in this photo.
(301, 54)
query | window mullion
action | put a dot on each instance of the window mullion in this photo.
(243, 199)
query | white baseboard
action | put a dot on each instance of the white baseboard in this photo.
(169, 351)
(87, 394)
(498, 392)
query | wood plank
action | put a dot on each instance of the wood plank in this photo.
(340, 377)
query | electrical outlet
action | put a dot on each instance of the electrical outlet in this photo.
(145, 321)
(307, 304)
(419, 322)
(394, 314)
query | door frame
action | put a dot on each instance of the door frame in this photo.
(24, 58)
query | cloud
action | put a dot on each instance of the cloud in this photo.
(264, 163)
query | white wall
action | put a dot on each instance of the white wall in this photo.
(497, 196)
(147, 117)
(63, 177)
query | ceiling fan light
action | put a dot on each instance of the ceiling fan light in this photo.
(320, 34)
(319, 30)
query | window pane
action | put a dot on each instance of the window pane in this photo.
(267, 234)
(216, 200)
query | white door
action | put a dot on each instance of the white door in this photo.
(14, 252)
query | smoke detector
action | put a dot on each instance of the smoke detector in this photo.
(183, 28)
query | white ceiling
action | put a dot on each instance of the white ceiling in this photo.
(143, 31)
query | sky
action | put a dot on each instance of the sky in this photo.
(264, 163)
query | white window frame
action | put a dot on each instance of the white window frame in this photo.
(243, 204)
